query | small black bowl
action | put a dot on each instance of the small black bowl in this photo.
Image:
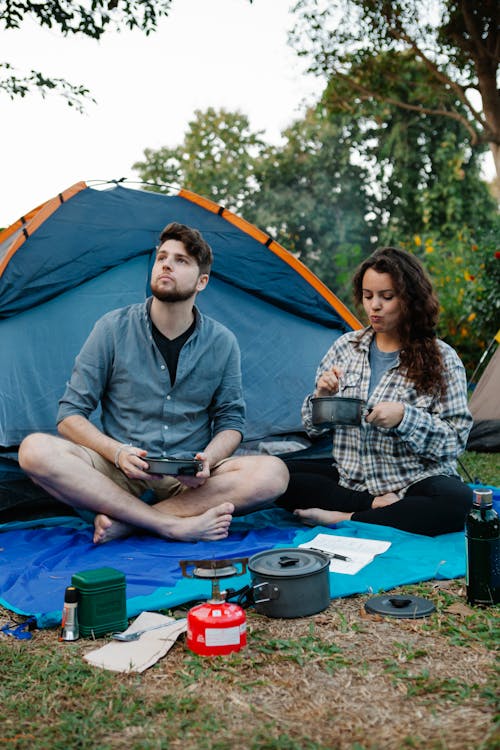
(174, 466)
(337, 410)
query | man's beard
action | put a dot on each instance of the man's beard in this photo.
(174, 295)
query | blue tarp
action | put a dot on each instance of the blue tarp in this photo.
(38, 558)
(36, 562)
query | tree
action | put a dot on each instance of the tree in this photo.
(313, 199)
(465, 270)
(217, 159)
(92, 19)
(458, 42)
(425, 175)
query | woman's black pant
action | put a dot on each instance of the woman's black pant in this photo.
(436, 505)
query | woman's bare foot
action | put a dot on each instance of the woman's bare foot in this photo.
(211, 525)
(382, 500)
(313, 516)
(106, 529)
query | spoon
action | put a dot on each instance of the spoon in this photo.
(137, 634)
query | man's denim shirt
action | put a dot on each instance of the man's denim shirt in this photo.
(121, 367)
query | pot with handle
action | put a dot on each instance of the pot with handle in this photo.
(290, 582)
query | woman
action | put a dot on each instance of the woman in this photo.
(399, 467)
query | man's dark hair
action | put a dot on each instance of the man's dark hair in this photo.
(192, 240)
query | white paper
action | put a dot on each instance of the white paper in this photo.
(359, 552)
(136, 656)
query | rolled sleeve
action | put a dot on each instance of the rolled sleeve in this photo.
(440, 434)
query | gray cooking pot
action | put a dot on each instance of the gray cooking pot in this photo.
(290, 582)
(329, 411)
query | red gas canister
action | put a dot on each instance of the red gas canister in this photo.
(215, 627)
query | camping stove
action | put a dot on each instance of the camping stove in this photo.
(216, 626)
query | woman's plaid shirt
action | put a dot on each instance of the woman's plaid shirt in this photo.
(428, 440)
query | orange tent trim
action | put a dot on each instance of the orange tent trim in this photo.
(278, 250)
(31, 221)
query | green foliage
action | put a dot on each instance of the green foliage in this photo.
(91, 20)
(465, 270)
(313, 199)
(14, 84)
(352, 42)
(217, 158)
(425, 173)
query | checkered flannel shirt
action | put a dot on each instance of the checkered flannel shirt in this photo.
(432, 433)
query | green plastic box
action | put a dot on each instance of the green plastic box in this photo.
(102, 606)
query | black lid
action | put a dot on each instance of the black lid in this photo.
(288, 562)
(412, 607)
(71, 595)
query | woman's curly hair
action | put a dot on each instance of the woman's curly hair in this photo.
(420, 355)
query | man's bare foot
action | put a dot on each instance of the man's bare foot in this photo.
(319, 516)
(106, 529)
(211, 525)
(382, 500)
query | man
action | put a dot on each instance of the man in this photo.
(168, 380)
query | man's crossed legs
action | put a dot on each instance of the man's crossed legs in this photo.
(83, 479)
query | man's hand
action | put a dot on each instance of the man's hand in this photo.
(386, 414)
(132, 462)
(201, 477)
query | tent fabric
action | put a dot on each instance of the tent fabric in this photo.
(485, 409)
(39, 558)
(90, 250)
(98, 229)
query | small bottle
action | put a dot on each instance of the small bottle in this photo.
(482, 534)
(69, 624)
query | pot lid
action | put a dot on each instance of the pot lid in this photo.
(288, 562)
(411, 607)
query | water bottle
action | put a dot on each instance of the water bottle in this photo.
(482, 534)
(69, 624)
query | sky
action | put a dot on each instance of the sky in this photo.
(206, 53)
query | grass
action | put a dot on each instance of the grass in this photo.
(339, 680)
(481, 467)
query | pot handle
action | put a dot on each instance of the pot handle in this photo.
(269, 590)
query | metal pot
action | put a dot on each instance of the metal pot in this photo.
(290, 582)
(336, 410)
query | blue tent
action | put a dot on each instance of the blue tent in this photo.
(90, 250)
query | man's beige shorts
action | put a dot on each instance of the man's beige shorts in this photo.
(162, 488)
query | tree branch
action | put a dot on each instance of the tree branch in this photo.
(443, 78)
(368, 94)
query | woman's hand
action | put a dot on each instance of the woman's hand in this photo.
(386, 414)
(328, 382)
